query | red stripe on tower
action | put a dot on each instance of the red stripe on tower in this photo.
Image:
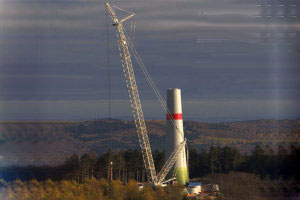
(174, 116)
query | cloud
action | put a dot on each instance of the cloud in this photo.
(152, 15)
(55, 51)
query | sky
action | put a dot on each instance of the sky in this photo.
(234, 60)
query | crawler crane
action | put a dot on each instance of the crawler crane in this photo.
(124, 43)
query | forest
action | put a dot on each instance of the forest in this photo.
(85, 176)
(50, 143)
(88, 189)
(262, 161)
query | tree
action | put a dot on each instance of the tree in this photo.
(36, 190)
(132, 192)
(256, 162)
(159, 159)
(161, 194)
(283, 163)
(271, 162)
(51, 189)
(116, 190)
(92, 189)
(72, 168)
(66, 189)
(19, 190)
(148, 193)
(204, 164)
(294, 162)
(193, 162)
(237, 185)
(119, 164)
(175, 192)
(226, 159)
(85, 166)
(213, 159)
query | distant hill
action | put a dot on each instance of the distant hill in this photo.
(39, 143)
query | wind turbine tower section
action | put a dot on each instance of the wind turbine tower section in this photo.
(175, 135)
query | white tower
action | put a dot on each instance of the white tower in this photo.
(175, 135)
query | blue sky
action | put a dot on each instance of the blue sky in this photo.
(230, 63)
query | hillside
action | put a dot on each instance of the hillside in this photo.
(38, 143)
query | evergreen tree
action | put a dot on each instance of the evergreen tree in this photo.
(213, 159)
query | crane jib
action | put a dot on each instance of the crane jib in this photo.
(135, 102)
(134, 97)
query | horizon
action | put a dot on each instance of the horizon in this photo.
(131, 120)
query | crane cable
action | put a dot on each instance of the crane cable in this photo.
(155, 89)
(132, 31)
(150, 81)
(108, 65)
(123, 9)
(146, 73)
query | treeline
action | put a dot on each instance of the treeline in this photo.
(89, 189)
(263, 161)
(126, 165)
(233, 185)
